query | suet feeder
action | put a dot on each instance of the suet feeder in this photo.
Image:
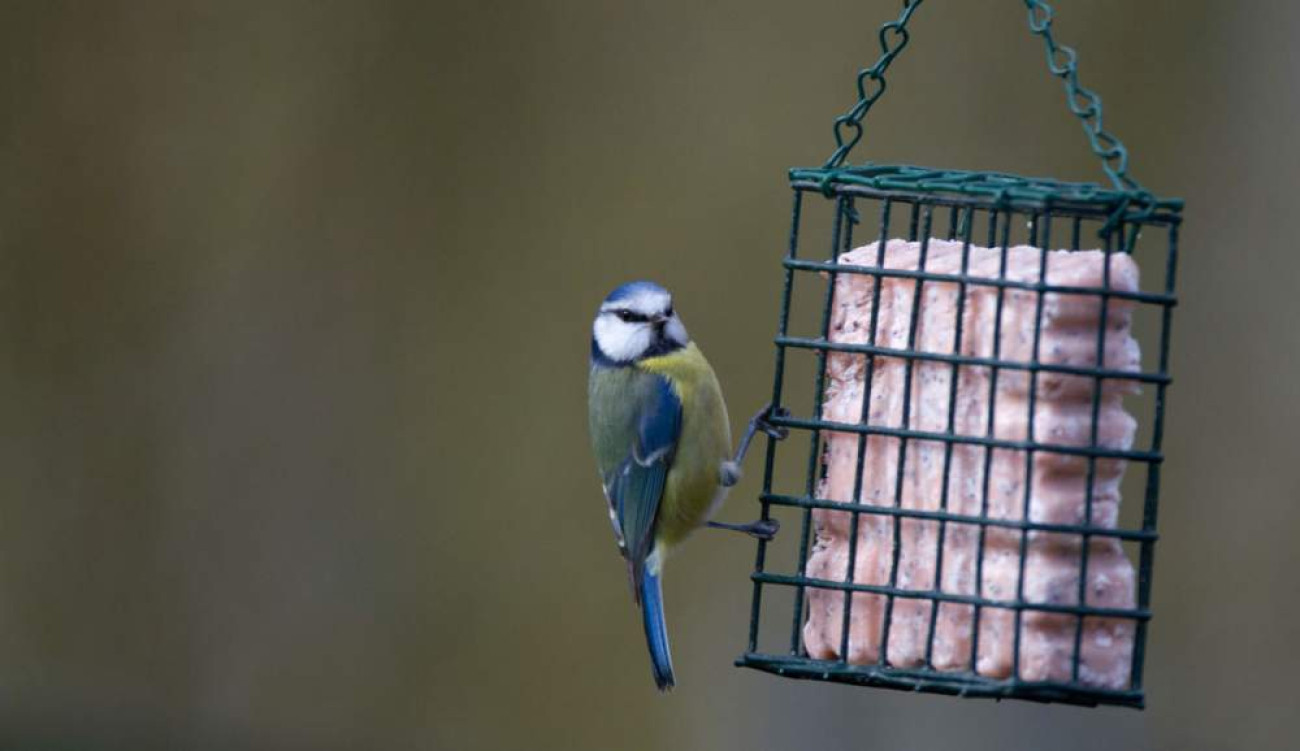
(969, 433)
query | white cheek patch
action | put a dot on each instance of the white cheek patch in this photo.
(619, 340)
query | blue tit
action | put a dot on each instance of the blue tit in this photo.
(662, 441)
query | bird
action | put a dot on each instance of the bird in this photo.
(662, 440)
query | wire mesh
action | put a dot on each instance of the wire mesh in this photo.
(971, 209)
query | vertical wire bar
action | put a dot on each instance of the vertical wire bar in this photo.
(778, 381)
(917, 292)
(989, 429)
(869, 363)
(1043, 247)
(1147, 560)
(814, 436)
(952, 424)
(1098, 385)
(1135, 232)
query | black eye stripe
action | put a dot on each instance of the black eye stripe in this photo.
(631, 317)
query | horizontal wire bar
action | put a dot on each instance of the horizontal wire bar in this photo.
(1155, 298)
(989, 362)
(1133, 614)
(948, 516)
(921, 179)
(963, 683)
(1149, 457)
(939, 676)
(928, 180)
(988, 202)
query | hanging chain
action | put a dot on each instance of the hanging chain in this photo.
(1086, 105)
(850, 123)
(1062, 62)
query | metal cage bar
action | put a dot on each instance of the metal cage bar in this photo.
(869, 372)
(999, 202)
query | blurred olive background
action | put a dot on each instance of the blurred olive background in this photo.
(294, 308)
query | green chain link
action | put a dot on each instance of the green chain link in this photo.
(1086, 105)
(1062, 62)
(851, 122)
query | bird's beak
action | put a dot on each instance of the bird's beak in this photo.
(659, 320)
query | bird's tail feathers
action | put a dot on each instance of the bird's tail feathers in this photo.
(656, 631)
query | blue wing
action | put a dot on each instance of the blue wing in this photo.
(637, 485)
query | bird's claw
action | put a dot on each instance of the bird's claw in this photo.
(761, 421)
(764, 423)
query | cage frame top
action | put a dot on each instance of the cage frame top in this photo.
(993, 190)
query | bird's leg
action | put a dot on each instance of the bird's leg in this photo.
(762, 529)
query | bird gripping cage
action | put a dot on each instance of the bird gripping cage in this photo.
(959, 513)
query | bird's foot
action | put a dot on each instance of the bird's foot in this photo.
(763, 421)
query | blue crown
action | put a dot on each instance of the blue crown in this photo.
(631, 289)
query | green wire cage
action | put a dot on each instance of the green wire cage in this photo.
(958, 515)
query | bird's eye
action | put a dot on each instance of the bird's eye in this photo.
(625, 316)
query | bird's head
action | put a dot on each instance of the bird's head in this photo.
(636, 321)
